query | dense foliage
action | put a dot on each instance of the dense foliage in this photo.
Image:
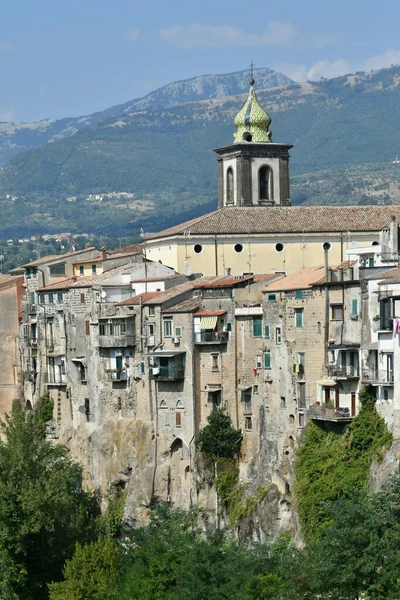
(43, 508)
(218, 439)
(334, 464)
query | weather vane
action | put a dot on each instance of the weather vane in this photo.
(252, 65)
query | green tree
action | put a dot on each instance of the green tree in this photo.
(43, 508)
(91, 574)
(218, 439)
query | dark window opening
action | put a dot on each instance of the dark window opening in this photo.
(229, 186)
(198, 248)
(265, 183)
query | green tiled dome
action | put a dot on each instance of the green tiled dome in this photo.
(252, 120)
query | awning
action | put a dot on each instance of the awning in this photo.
(243, 388)
(213, 387)
(327, 382)
(82, 360)
(208, 323)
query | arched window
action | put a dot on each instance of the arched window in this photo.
(229, 186)
(265, 184)
(179, 404)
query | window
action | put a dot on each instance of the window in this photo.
(298, 316)
(51, 298)
(246, 400)
(265, 183)
(337, 312)
(214, 362)
(371, 261)
(301, 400)
(248, 423)
(229, 186)
(319, 328)
(258, 362)
(279, 247)
(167, 327)
(33, 298)
(267, 360)
(114, 327)
(82, 298)
(271, 297)
(87, 327)
(81, 270)
(283, 402)
(255, 389)
(278, 335)
(198, 248)
(94, 269)
(57, 269)
(41, 298)
(302, 419)
(299, 294)
(59, 296)
(266, 331)
(238, 248)
(150, 329)
(178, 419)
(354, 307)
(257, 326)
(152, 311)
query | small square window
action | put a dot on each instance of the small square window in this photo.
(283, 402)
(41, 298)
(94, 269)
(302, 419)
(337, 312)
(214, 362)
(167, 327)
(255, 389)
(81, 270)
(59, 296)
(258, 362)
(299, 294)
(51, 298)
(298, 315)
(82, 298)
(152, 311)
(248, 423)
(271, 297)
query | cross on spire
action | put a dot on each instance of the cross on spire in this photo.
(252, 65)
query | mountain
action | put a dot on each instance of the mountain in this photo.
(344, 131)
(19, 137)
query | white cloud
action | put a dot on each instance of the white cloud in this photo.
(133, 34)
(390, 57)
(4, 46)
(295, 72)
(324, 68)
(278, 33)
(8, 115)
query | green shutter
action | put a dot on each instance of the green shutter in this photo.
(59, 296)
(266, 331)
(354, 307)
(267, 360)
(299, 318)
(41, 298)
(271, 297)
(257, 326)
(299, 294)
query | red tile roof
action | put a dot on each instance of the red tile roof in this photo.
(300, 280)
(135, 301)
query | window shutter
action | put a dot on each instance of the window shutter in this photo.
(266, 331)
(267, 360)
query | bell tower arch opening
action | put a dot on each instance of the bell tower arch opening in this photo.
(265, 183)
(230, 198)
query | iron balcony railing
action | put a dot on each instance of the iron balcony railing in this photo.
(322, 413)
(54, 378)
(116, 374)
(211, 337)
(343, 372)
(167, 373)
(377, 376)
(117, 341)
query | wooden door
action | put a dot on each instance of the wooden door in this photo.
(353, 404)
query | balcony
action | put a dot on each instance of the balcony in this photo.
(32, 342)
(167, 373)
(116, 374)
(336, 415)
(386, 324)
(377, 376)
(30, 376)
(343, 372)
(211, 337)
(54, 378)
(116, 341)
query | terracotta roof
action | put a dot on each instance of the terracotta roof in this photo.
(172, 293)
(7, 278)
(53, 257)
(219, 282)
(131, 249)
(190, 305)
(135, 301)
(392, 276)
(290, 219)
(87, 260)
(59, 285)
(300, 280)
(17, 271)
(162, 278)
(90, 280)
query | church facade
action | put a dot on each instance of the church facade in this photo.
(255, 229)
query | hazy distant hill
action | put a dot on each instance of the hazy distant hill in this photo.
(345, 132)
(19, 137)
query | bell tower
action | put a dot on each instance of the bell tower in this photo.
(253, 170)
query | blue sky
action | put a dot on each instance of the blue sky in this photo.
(73, 58)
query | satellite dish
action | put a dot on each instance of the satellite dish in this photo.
(82, 409)
(103, 294)
(187, 271)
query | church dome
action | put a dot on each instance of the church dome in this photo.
(252, 121)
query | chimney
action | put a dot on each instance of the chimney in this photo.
(103, 253)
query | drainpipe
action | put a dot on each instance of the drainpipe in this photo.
(326, 247)
(216, 255)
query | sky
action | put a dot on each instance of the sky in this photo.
(63, 59)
